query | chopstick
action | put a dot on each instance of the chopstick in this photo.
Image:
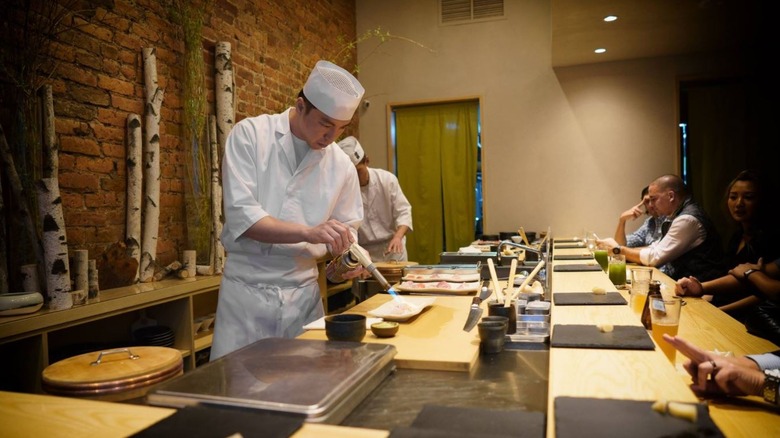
(494, 279)
(525, 238)
(510, 282)
(527, 280)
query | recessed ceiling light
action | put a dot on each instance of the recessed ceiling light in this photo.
(600, 50)
(610, 18)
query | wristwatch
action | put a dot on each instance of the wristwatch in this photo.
(771, 384)
(617, 249)
(748, 272)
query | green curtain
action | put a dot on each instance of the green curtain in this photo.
(436, 151)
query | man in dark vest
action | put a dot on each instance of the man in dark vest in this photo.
(690, 243)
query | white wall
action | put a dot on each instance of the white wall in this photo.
(570, 148)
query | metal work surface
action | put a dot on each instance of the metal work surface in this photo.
(512, 379)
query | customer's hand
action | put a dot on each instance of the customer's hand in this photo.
(716, 374)
(738, 271)
(607, 243)
(633, 212)
(688, 287)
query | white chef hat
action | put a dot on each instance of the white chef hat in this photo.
(351, 146)
(333, 90)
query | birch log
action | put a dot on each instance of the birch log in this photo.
(94, 280)
(51, 159)
(55, 245)
(217, 257)
(30, 278)
(225, 88)
(81, 270)
(134, 188)
(188, 261)
(151, 158)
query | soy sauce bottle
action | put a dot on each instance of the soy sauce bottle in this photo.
(654, 291)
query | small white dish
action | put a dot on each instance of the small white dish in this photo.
(402, 309)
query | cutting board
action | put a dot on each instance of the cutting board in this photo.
(432, 340)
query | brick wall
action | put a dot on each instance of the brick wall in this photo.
(99, 81)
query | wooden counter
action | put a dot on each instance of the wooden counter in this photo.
(432, 340)
(648, 375)
(30, 415)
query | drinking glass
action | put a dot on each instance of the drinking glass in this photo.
(665, 317)
(602, 258)
(617, 270)
(590, 241)
(640, 285)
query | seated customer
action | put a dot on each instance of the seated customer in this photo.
(714, 375)
(761, 280)
(690, 243)
(647, 233)
(753, 239)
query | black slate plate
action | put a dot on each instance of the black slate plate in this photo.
(569, 246)
(622, 337)
(578, 267)
(573, 257)
(606, 418)
(201, 421)
(587, 298)
(458, 421)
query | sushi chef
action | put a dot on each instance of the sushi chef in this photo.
(290, 196)
(387, 212)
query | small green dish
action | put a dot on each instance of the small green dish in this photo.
(385, 329)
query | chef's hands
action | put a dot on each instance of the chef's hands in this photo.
(334, 234)
(396, 246)
(360, 271)
(688, 287)
(716, 374)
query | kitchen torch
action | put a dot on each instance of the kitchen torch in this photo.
(358, 253)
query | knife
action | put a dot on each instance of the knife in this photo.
(476, 310)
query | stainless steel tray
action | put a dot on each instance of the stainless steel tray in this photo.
(322, 380)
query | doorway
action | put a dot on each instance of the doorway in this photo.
(435, 149)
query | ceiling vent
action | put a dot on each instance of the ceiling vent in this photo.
(468, 11)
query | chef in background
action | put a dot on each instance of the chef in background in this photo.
(290, 196)
(387, 212)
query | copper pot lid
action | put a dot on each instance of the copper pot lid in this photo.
(112, 370)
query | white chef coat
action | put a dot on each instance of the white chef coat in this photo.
(271, 290)
(385, 208)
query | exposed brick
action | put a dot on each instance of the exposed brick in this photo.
(132, 105)
(111, 133)
(91, 95)
(114, 150)
(80, 181)
(77, 74)
(101, 200)
(96, 31)
(145, 32)
(120, 86)
(80, 145)
(71, 126)
(96, 164)
(90, 60)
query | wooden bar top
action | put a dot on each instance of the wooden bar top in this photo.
(648, 375)
(33, 415)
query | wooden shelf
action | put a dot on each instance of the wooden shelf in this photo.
(29, 343)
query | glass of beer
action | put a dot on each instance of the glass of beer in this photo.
(640, 285)
(665, 317)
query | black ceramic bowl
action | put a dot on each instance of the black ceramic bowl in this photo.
(345, 327)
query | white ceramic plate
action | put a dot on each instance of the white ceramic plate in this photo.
(402, 308)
